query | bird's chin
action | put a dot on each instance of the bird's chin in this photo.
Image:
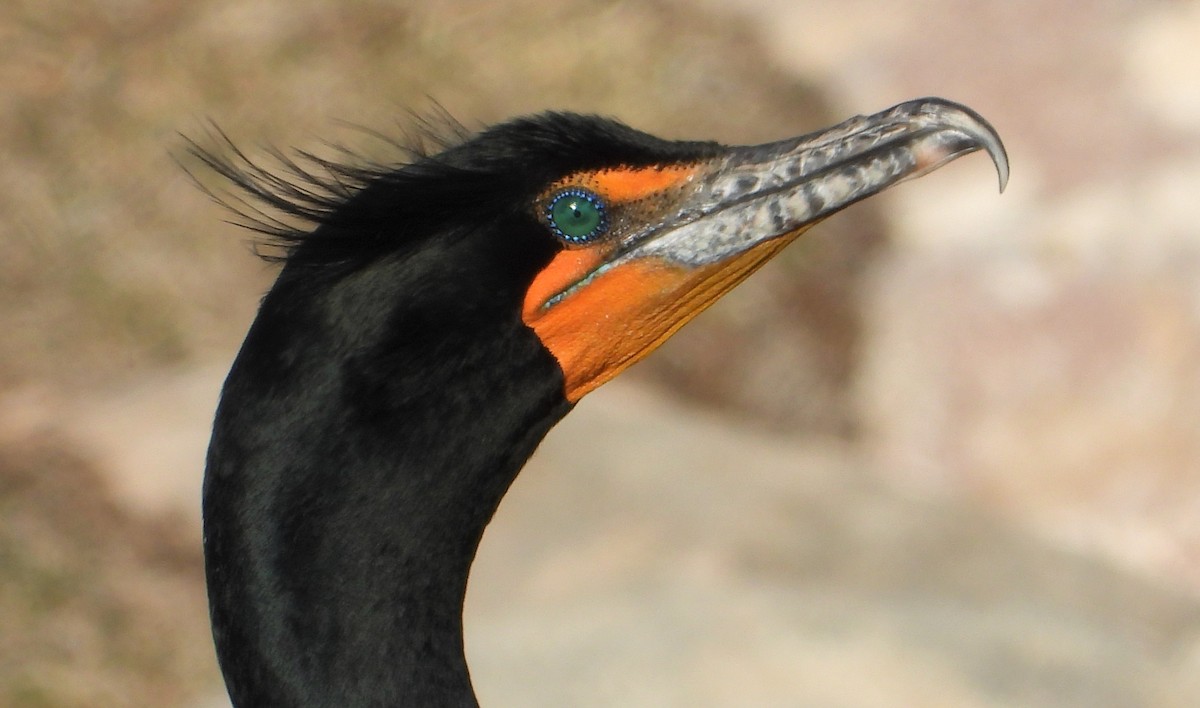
(625, 313)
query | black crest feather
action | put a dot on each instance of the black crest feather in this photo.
(290, 194)
(315, 210)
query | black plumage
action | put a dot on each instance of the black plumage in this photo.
(384, 399)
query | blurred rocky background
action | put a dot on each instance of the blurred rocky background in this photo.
(942, 452)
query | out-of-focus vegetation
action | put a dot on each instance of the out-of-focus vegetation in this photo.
(97, 607)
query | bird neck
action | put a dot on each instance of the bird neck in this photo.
(351, 474)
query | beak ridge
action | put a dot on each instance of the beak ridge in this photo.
(755, 194)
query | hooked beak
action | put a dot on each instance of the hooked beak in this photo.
(756, 194)
(687, 233)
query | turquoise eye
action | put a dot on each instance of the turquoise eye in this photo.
(577, 216)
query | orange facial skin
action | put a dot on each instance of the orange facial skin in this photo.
(598, 319)
(629, 185)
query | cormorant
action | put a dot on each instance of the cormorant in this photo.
(427, 329)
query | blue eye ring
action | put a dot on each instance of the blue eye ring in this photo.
(577, 216)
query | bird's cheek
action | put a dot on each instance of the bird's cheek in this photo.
(617, 316)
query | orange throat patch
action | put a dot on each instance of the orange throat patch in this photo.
(598, 322)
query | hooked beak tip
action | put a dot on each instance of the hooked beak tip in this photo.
(969, 127)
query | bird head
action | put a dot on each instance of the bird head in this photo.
(647, 246)
(603, 240)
